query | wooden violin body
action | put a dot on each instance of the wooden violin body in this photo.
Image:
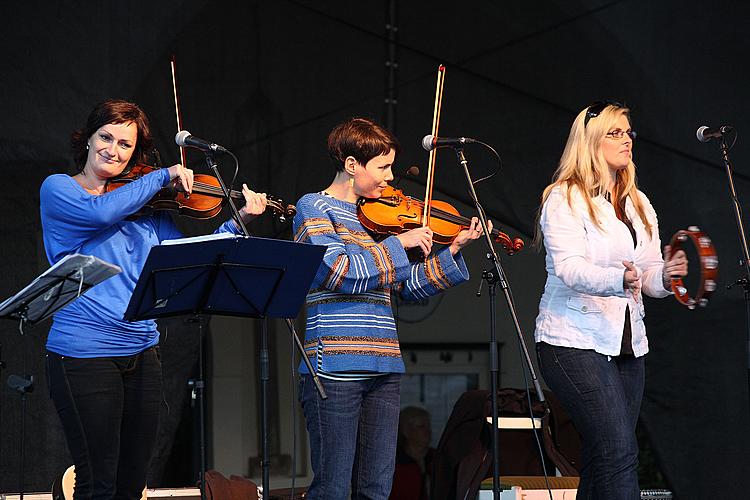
(394, 212)
(204, 202)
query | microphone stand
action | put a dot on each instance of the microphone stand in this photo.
(494, 277)
(745, 260)
(22, 384)
(233, 209)
(264, 359)
(198, 386)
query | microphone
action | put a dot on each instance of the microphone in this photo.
(184, 139)
(430, 142)
(412, 171)
(705, 134)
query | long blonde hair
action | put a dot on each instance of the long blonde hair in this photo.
(582, 166)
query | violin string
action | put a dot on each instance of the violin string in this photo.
(209, 189)
(442, 214)
(395, 201)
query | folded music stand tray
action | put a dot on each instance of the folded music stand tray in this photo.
(55, 288)
(58, 286)
(238, 276)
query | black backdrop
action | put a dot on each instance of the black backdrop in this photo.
(269, 79)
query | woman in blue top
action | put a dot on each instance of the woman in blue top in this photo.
(104, 372)
(351, 336)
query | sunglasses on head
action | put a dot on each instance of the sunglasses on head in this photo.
(596, 109)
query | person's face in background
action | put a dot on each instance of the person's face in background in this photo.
(418, 432)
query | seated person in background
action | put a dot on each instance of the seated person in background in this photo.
(414, 456)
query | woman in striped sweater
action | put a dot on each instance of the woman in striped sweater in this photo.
(351, 336)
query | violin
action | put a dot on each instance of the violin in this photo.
(394, 213)
(203, 203)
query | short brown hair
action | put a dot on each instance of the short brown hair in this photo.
(113, 111)
(362, 139)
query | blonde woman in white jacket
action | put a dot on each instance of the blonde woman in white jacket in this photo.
(601, 238)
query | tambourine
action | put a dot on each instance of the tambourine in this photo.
(709, 261)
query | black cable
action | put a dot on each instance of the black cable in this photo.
(293, 372)
(434, 301)
(533, 427)
(236, 171)
(734, 139)
(512, 305)
(499, 163)
(23, 390)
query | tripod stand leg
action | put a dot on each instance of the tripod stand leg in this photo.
(198, 398)
(306, 360)
(264, 377)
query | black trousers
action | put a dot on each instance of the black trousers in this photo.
(109, 409)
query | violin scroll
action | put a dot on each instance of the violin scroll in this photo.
(280, 210)
(510, 246)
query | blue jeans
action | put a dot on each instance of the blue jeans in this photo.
(603, 396)
(352, 436)
(109, 409)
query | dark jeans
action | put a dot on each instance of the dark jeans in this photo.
(109, 409)
(603, 395)
(352, 436)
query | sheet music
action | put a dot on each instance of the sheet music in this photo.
(205, 237)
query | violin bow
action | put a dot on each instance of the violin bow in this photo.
(178, 115)
(433, 153)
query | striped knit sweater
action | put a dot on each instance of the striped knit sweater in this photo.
(350, 324)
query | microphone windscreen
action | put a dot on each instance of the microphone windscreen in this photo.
(181, 136)
(427, 142)
(699, 134)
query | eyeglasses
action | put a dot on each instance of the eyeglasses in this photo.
(619, 134)
(596, 109)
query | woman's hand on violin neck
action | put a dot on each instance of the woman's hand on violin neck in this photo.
(674, 266)
(255, 204)
(419, 237)
(473, 232)
(181, 177)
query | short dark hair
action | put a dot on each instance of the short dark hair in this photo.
(113, 111)
(362, 139)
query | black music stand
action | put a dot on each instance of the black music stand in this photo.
(229, 276)
(54, 289)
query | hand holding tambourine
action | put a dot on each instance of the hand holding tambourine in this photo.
(675, 266)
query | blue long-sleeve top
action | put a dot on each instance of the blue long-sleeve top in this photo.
(350, 325)
(75, 221)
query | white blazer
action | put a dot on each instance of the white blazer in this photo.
(583, 304)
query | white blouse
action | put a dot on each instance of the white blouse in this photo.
(583, 304)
